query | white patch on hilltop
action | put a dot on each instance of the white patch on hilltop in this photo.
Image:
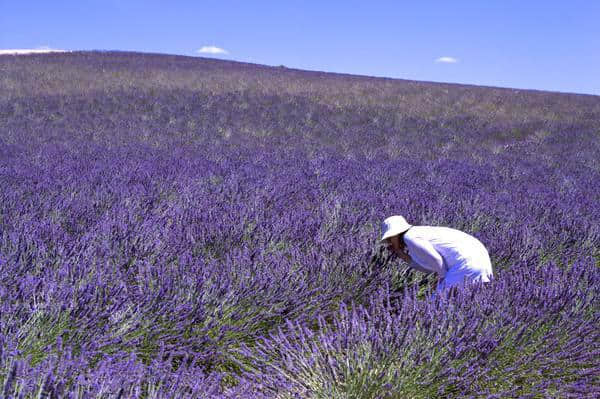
(38, 50)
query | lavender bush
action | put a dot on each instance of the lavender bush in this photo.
(186, 227)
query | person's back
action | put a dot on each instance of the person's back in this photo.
(464, 255)
(455, 246)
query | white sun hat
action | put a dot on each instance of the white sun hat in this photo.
(394, 225)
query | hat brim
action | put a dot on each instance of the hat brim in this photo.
(393, 232)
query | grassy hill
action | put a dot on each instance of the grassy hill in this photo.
(184, 96)
(185, 227)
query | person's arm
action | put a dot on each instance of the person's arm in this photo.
(411, 263)
(424, 254)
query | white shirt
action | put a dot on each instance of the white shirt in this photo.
(450, 253)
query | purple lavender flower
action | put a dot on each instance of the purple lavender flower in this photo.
(213, 233)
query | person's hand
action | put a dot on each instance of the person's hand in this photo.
(404, 256)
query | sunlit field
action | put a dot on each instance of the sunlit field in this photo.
(185, 227)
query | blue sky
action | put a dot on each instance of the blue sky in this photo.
(544, 45)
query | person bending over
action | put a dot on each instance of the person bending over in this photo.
(453, 255)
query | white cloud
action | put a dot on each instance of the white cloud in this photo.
(447, 60)
(39, 50)
(211, 50)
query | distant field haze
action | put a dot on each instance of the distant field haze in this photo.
(178, 226)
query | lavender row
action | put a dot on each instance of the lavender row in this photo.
(527, 334)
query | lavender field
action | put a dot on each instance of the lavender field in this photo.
(185, 227)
